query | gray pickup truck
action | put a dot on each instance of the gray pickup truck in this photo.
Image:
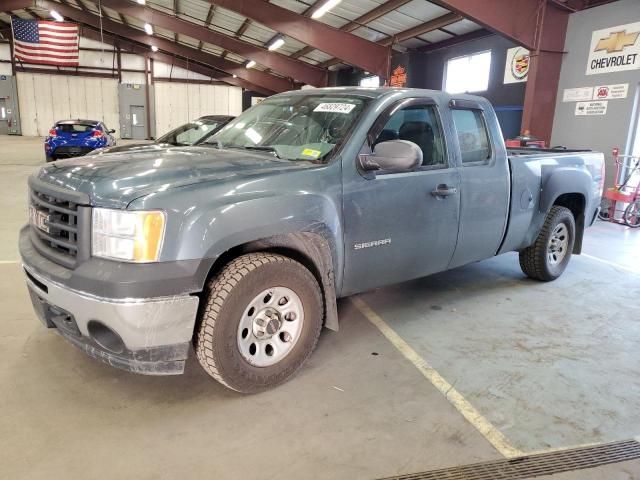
(241, 246)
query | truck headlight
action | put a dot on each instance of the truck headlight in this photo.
(133, 236)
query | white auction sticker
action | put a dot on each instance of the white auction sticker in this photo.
(335, 107)
(591, 108)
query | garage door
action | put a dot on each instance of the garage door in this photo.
(46, 99)
(179, 103)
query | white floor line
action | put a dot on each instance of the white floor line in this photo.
(3, 262)
(468, 411)
(611, 264)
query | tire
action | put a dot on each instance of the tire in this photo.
(549, 255)
(233, 314)
(632, 215)
(49, 159)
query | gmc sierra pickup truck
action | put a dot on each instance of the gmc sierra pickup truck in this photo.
(241, 246)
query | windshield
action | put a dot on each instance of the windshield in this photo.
(190, 133)
(300, 127)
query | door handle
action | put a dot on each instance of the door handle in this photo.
(444, 191)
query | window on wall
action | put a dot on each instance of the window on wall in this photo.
(468, 74)
(372, 81)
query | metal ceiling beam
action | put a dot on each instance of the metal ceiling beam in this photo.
(456, 40)
(142, 50)
(350, 48)
(426, 27)
(279, 63)
(256, 77)
(516, 19)
(421, 29)
(362, 20)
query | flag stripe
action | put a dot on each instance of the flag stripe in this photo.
(53, 48)
(42, 41)
(48, 53)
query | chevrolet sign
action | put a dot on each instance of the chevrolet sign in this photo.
(615, 49)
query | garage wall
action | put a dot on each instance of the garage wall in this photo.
(45, 99)
(178, 103)
(615, 128)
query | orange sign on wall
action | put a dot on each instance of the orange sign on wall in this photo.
(398, 77)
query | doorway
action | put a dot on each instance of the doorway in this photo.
(138, 122)
(4, 117)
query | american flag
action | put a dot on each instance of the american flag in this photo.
(44, 42)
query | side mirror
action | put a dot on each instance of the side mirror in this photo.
(393, 156)
(112, 131)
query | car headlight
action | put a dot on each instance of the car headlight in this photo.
(133, 236)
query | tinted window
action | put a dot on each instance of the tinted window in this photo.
(472, 135)
(75, 127)
(418, 124)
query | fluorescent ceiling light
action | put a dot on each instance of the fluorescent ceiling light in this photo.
(324, 8)
(276, 43)
(250, 64)
(235, 76)
(148, 28)
(141, 2)
(57, 17)
(154, 48)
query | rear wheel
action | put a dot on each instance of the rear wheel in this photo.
(632, 215)
(49, 159)
(549, 255)
(262, 319)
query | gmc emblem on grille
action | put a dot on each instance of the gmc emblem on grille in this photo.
(38, 219)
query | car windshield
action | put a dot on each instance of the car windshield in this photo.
(190, 133)
(75, 127)
(297, 127)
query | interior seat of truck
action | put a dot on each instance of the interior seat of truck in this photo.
(421, 134)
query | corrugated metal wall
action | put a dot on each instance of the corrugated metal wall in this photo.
(45, 99)
(179, 103)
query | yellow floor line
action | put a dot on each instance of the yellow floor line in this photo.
(468, 411)
(611, 264)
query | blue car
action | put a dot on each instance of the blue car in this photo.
(74, 138)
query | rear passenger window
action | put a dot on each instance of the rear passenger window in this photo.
(418, 124)
(472, 136)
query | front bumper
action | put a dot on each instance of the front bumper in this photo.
(142, 335)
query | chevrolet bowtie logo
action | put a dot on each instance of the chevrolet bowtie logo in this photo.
(617, 41)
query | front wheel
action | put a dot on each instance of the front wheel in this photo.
(549, 255)
(632, 215)
(261, 320)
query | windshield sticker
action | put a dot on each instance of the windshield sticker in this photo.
(309, 152)
(335, 108)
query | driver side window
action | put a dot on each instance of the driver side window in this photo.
(418, 124)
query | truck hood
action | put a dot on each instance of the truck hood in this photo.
(114, 180)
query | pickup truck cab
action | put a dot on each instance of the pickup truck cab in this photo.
(241, 245)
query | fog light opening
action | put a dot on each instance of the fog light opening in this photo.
(105, 337)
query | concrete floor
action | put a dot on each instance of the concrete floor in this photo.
(548, 365)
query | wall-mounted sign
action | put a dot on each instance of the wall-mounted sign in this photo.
(608, 92)
(615, 49)
(256, 100)
(577, 94)
(591, 108)
(398, 77)
(517, 67)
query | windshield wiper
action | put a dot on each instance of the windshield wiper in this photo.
(262, 148)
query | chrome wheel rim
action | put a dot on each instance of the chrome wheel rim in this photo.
(558, 244)
(270, 326)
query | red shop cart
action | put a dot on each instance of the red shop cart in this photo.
(621, 203)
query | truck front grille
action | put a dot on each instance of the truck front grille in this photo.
(57, 227)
